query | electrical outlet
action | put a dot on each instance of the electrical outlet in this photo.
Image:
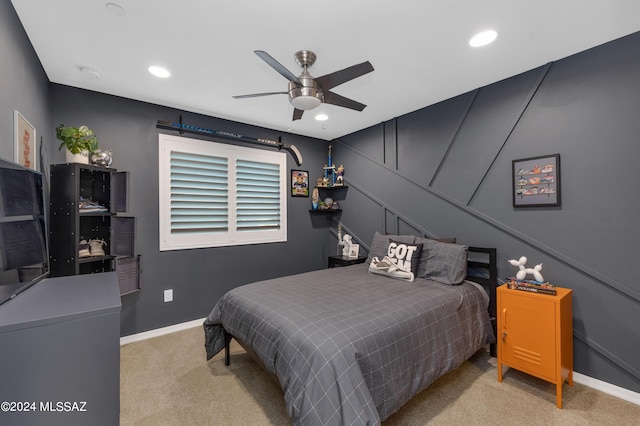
(168, 295)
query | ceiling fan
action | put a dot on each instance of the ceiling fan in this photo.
(306, 92)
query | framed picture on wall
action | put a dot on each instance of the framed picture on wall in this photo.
(536, 181)
(25, 144)
(299, 183)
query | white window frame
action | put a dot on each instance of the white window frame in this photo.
(181, 241)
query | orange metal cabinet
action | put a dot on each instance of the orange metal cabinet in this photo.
(535, 335)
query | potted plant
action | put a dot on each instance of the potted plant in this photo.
(78, 141)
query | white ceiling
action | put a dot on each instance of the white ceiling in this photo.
(418, 48)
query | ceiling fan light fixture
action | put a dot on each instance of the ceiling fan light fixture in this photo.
(305, 97)
(306, 92)
(305, 102)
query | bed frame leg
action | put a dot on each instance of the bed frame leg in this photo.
(227, 351)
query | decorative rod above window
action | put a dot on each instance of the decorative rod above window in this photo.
(185, 128)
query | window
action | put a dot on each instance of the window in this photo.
(214, 194)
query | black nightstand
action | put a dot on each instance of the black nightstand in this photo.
(345, 260)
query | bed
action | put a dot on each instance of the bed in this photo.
(351, 347)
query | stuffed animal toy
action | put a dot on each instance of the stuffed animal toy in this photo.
(523, 271)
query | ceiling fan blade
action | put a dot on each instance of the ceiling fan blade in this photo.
(256, 95)
(329, 81)
(297, 114)
(335, 99)
(277, 66)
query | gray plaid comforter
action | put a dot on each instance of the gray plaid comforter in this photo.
(350, 347)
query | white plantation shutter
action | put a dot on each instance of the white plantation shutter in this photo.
(214, 194)
(199, 193)
(257, 195)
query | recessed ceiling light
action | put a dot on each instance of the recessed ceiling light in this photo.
(322, 117)
(159, 72)
(483, 38)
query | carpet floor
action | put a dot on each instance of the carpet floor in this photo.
(168, 381)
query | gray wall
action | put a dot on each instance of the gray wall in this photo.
(23, 87)
(445, 171)
(198, 277)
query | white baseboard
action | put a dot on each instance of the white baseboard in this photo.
(160, 331)
(605, 387)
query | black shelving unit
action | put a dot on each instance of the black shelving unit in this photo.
(70, 183)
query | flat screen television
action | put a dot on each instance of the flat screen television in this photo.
(24, 257)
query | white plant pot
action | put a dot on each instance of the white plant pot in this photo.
(82, 158)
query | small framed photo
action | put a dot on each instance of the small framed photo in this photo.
(536, 181)
(299, 183)
(25, 143)
(354, 250)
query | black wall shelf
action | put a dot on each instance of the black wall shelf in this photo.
(325, 211)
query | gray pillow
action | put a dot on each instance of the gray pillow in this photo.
(380, 244)
(442, 240)
(446, 240)
(442, 262)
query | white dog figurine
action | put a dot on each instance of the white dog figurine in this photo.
(522, 273)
